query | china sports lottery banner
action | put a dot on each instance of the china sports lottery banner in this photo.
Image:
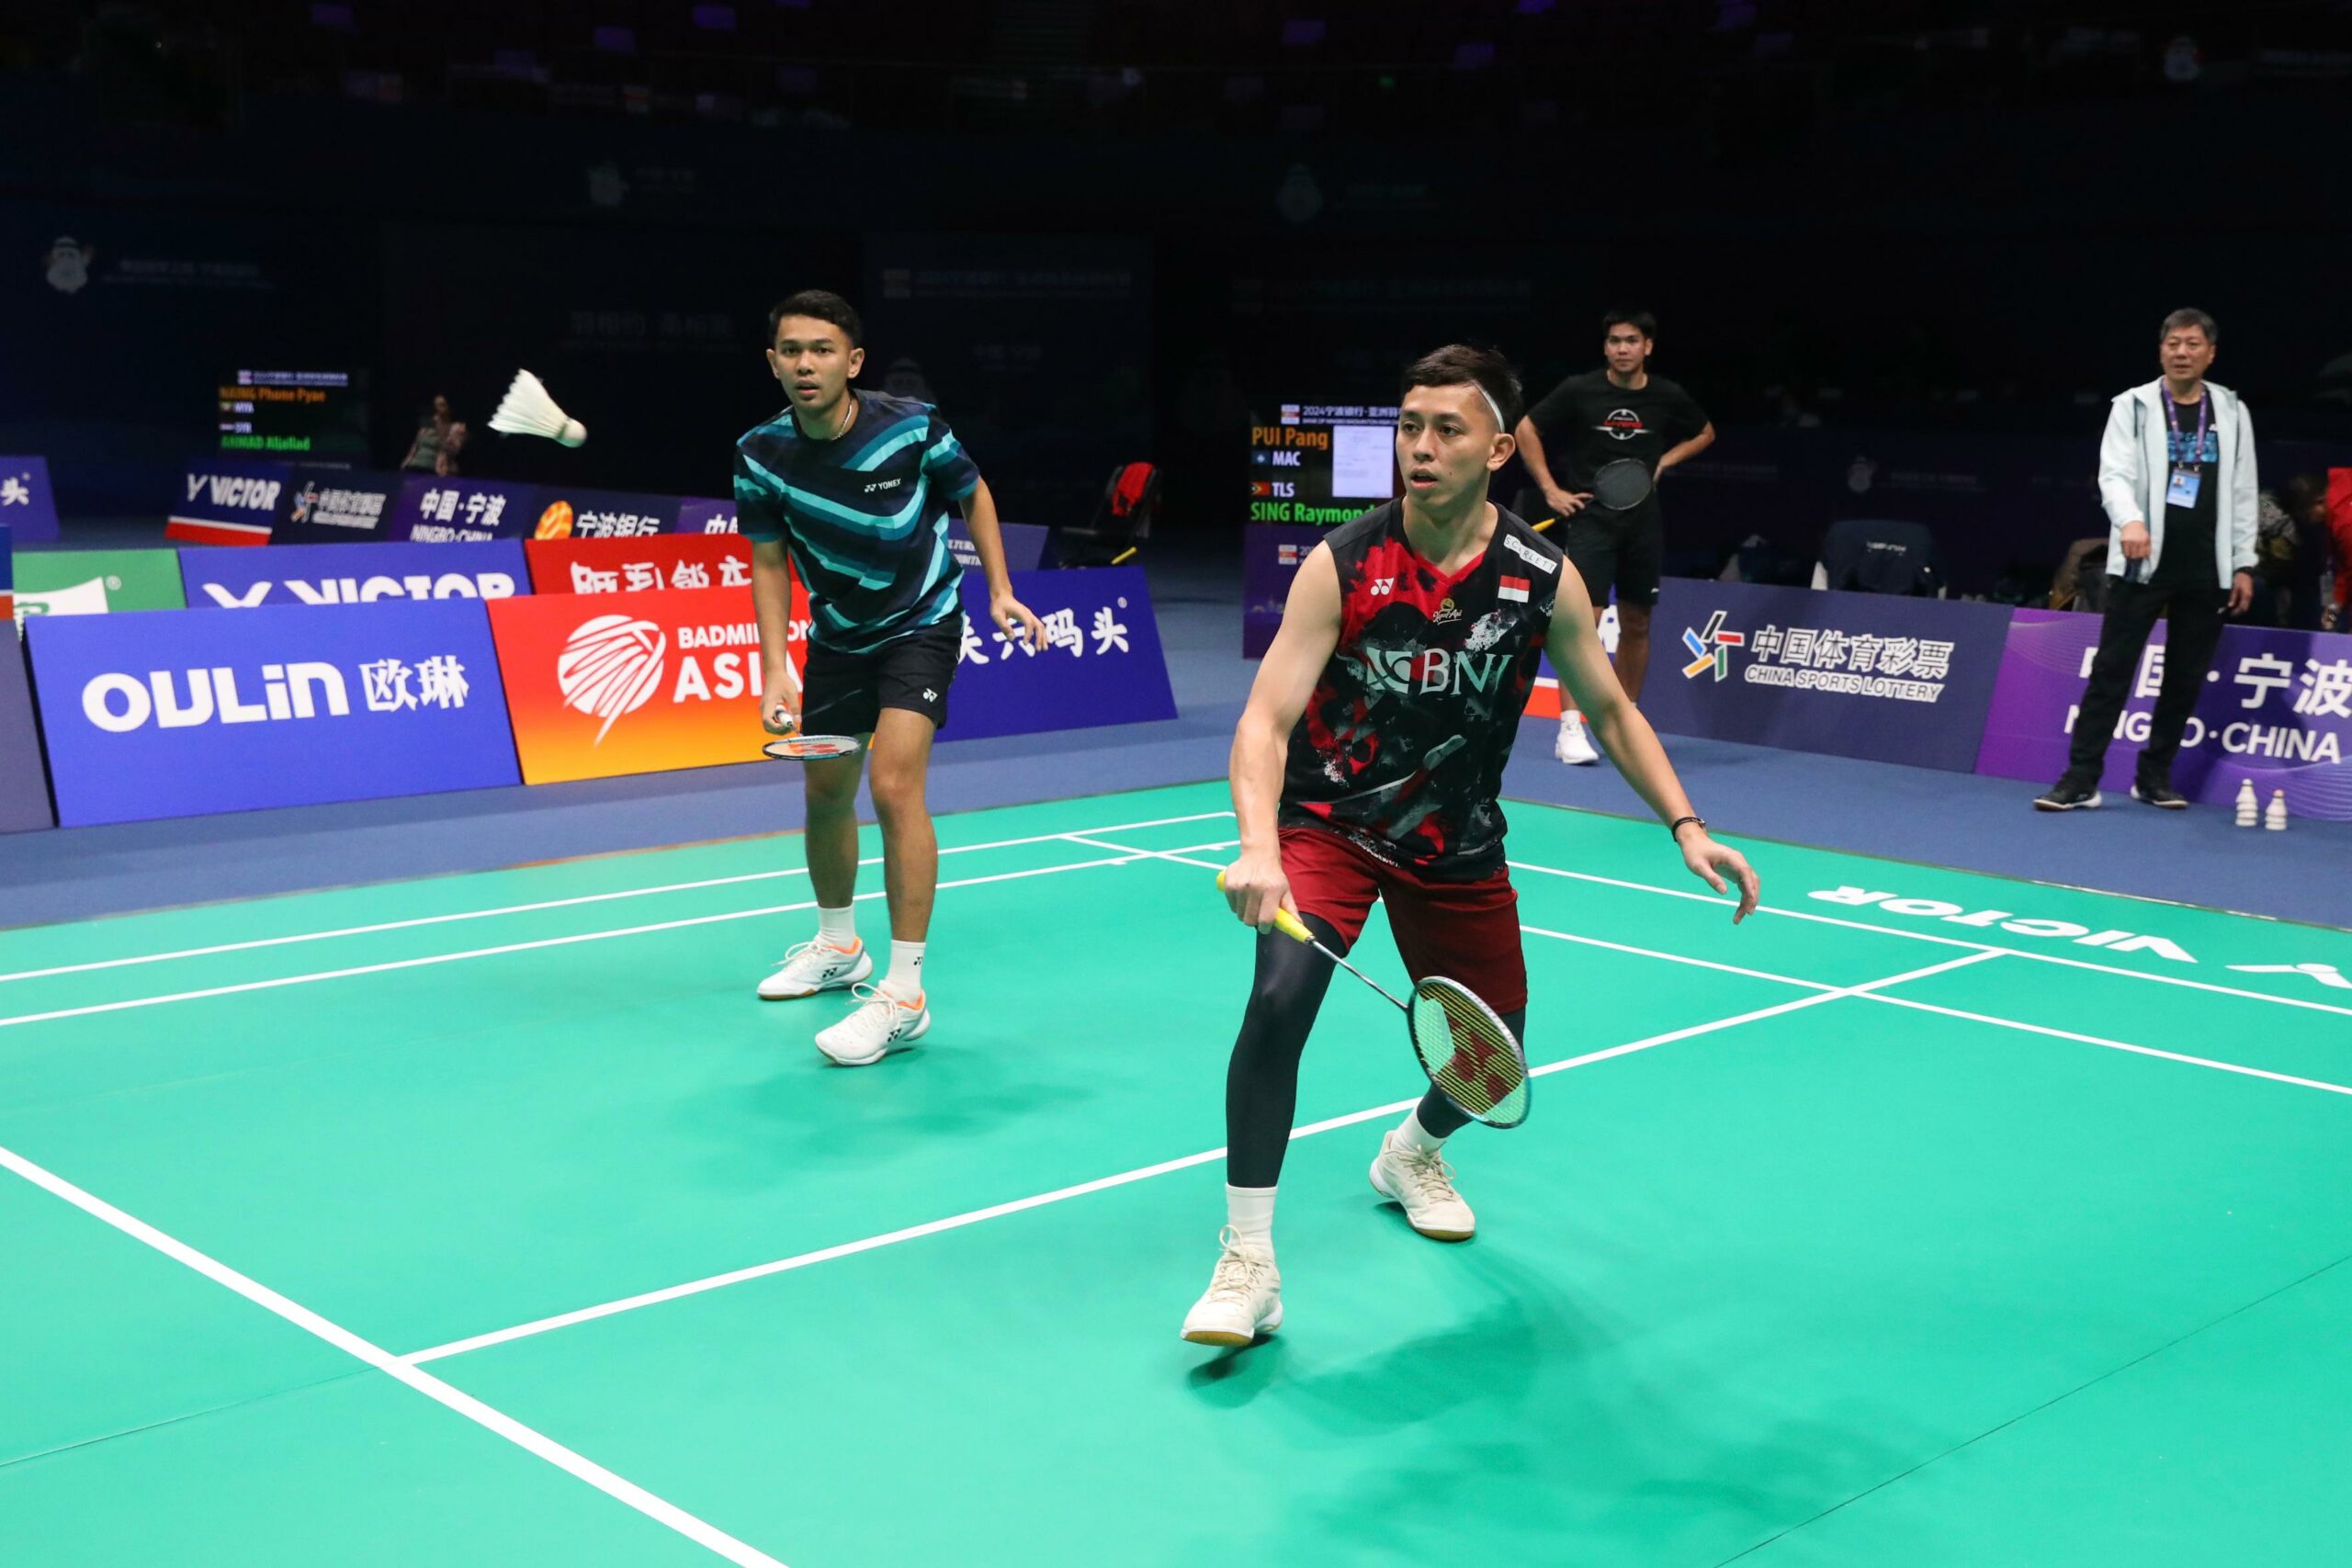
(2276, 708)
(169, 713)
(599, 685)
(1878, 676)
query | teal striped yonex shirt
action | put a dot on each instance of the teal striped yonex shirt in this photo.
(864, 516)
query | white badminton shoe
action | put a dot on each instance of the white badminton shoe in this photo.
(1573, 746)
(881, 1024)
(814, 966)
(1423, 1183)
(1244, 1299)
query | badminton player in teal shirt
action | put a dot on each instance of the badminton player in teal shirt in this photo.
(852, 489)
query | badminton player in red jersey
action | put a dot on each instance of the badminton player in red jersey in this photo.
(1367, 765)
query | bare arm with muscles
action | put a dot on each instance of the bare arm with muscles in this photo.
(771, 604)
(1563, 502)
(988, 539)
(1574, 645)
(1255, 885)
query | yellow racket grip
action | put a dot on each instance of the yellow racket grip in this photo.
(1290, 925)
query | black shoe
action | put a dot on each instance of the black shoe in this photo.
(2156, 792)
(2069, 794)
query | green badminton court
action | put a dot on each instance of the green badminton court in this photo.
(1927, 1218)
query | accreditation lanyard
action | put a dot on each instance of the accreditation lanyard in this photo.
(2172, 413)
(2187, 476)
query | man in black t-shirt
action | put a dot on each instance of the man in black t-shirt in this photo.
(1622, 412)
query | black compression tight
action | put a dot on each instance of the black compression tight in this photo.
(1261, 1083)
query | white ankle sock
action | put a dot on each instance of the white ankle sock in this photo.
(838, 927)
(1250, 1211)
(905, 979)
(1412, 1135)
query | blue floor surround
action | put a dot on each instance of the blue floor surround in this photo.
(1758, 793)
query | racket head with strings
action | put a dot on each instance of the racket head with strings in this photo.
(1622, 485)
(1469, 1052)
(810, 748)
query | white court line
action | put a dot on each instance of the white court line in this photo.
(1978, 950)
(547, 904)
(1104, 1184)
(431, 959)
(626, 1492)
(2118, 1045)
(1095, 840)
(1942, 941)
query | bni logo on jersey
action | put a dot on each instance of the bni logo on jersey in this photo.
(1711, 648)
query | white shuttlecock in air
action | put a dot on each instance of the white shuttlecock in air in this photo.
(526, 409)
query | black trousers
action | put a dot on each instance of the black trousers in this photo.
(2193, 615)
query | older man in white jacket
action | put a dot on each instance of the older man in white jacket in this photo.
(2176, 475)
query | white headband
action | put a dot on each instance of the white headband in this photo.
(1496, 407)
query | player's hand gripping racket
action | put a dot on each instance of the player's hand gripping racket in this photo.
(1472, 1058)
(801, 747)
(1623, 485)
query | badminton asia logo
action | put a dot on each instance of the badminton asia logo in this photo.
(183, 699)
(1711, 648)
(611, 666)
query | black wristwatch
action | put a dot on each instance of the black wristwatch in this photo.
(1674, 829)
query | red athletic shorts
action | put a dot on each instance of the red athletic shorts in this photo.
(1463, 930)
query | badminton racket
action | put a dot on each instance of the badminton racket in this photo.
(1623, 485)
(800, 747)
(1467, 1050)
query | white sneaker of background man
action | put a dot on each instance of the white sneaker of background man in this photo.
(1574, 746)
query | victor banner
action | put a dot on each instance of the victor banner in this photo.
(228, 501)
(352, 575)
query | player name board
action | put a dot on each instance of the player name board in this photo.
(293, 413)
(1322, 463)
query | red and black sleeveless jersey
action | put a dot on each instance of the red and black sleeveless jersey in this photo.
(1402, 747)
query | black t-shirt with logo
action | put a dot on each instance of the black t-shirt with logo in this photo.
(1402, 747)
(2188, 561)
(1589, 419)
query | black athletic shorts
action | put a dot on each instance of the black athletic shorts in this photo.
(845, 693)
(1624, 550)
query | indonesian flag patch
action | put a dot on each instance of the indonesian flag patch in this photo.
(1513, 588)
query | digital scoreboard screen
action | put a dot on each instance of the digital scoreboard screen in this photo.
(294, 413)
(1323, 463)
